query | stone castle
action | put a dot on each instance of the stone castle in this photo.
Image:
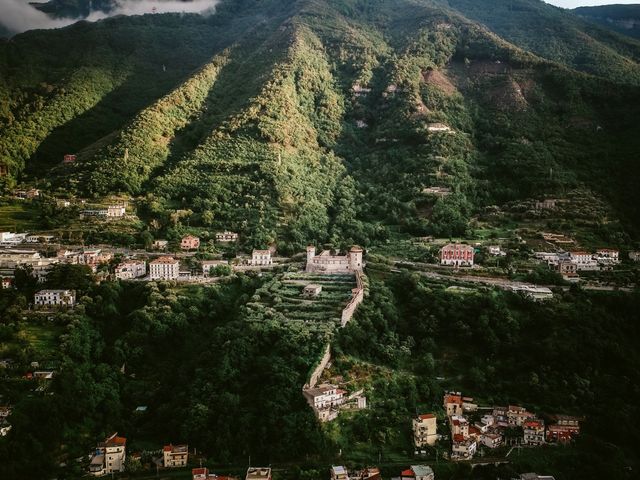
(334, 264)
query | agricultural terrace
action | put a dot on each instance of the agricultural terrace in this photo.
(281, 298)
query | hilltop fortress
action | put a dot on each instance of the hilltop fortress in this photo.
(334, 264)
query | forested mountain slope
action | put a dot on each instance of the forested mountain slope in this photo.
(318, 114)
(622, 18)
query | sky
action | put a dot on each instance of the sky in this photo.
(584, 3)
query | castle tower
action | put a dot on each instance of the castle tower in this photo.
(355, 259)
(311, 253)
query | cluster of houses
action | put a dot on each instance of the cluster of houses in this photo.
(472, 426)
(110, 455)
(569, 263)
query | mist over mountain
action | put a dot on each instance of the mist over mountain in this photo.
(19, 16)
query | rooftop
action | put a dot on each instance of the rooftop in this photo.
(160, 260)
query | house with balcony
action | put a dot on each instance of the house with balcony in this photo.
(562, 428)
(189, 242)
(533, 432)
(463, 449)
(55, 298)
(425, 430)
(226, 237)
(174, 456)
(457, 255)
(164, 268)
(260, 258)
(131, 269)
(109, 456)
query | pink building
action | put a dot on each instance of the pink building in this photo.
(189, 242)
(457, 255)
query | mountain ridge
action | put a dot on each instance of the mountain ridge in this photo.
(215, 143)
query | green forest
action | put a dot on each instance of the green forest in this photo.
(214, 375)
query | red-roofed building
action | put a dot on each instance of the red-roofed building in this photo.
(202, 473)
(453, 403)
(563, 429)
(418, 472)
(425, 430)
(109, 456)
(533, 432)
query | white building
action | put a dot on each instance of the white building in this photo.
(258, 473)
(584, 260)
(463, 449)
(496, 251)
(55, 298)
(606, 255)
(109, 456)
(164, 268)
(226, 237)
(116, 211)
(131, 269)
(174, 456)
(10, 238)
(438, 128)
(260, 258)
(491, 440)
(324, 396)
(338, 472)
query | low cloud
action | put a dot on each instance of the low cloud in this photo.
(18, 16)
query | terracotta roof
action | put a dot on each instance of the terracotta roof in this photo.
(164, 260)
(426, 416)
(532, 423)
(407, 473)
(115, 441)
(199, 471)
(458, 437)
(474, 430)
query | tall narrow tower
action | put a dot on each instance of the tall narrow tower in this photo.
(311, 253)
(355, 259)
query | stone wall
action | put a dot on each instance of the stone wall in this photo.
(315, 375)
(356, 299)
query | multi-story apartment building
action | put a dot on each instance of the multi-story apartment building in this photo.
(164, 268)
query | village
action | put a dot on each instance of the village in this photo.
(327, 396)
(316, 279)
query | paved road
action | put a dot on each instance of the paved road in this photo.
(424, 269)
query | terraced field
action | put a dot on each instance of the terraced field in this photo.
(281, 299)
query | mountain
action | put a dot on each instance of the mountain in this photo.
(621, 18)
(318, 115)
